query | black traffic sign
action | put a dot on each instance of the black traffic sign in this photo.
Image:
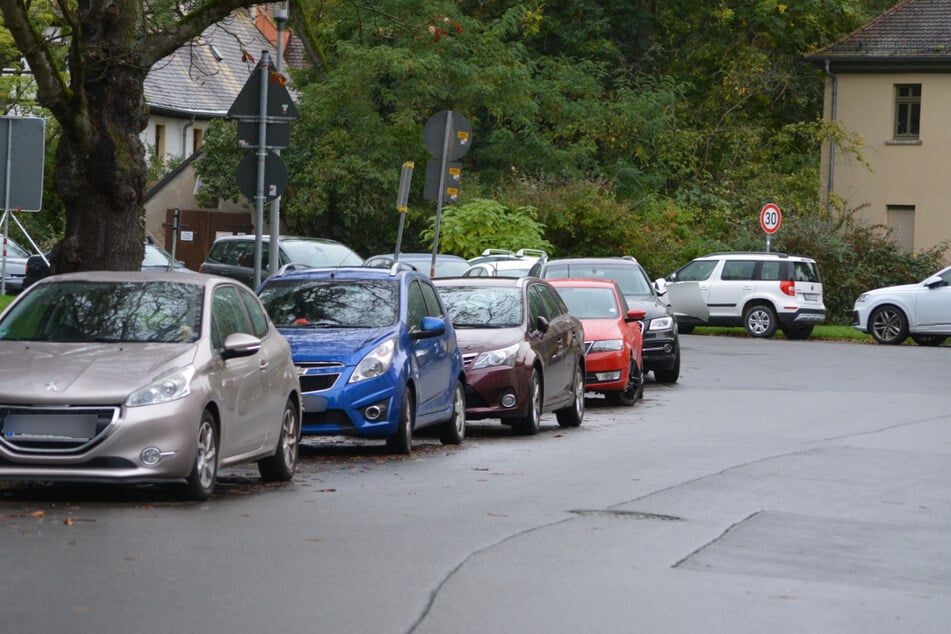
(280, 106)
(275, 176)
(459, 131)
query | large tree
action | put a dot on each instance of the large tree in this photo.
(89, 60)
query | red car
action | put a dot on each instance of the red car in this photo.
(613, 341)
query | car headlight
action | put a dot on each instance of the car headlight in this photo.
(170, 386)
(502, 356)
(862, 299)
(375, 363)
(661, 323)
(607, 345)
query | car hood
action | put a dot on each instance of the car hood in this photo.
(345, 345)
(891, 290)
(37, 372)
(649, 306)
(598, 329)
(481, 339)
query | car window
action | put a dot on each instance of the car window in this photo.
(257, 315)
(591, 303)
(221, 252)
(806, 272)
(228, 314)
(319, 253)
(630, 278)
(738, 270)
(477, 307)
(553, 301)
(322, 303)
(537, 306)
(416, 306)
(433, 307)
(14, 250)
(946, 276)
(770, 271)
(696, 271)
(107, 312)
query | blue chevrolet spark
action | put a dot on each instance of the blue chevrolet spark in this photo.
(375, 353)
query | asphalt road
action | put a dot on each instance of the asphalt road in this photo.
(778, 487)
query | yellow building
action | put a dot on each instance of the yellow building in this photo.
(890, 83)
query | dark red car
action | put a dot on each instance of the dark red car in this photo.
(523, 351)
(613, 343)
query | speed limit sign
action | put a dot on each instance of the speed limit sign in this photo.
(770, 218)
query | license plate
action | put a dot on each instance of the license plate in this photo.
(810, 297)
(50, 427)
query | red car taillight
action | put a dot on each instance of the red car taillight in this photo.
(788, 287)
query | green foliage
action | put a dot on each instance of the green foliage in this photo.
(216, 166)
(481, 224)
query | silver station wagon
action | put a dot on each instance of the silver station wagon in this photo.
(133, 377)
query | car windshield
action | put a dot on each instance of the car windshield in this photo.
(316, 253)
(106, 312)
(629, 278)
(308, 303)
(14, 250)
(806, 272)
(590, 303)
(477, 307)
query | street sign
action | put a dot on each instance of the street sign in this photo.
(770, 218)
(22, 143)
(450, 181)
(275, 175)
(459, 135)
(280, 106)
(278, 135)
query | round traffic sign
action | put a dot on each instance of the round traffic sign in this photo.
(770, 218)
(453, 125)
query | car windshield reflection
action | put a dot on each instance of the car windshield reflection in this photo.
(297, 303)
(590, 303)
(474, 307)
(107, 312)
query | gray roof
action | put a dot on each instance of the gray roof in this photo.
(912, 35)
(193, 81)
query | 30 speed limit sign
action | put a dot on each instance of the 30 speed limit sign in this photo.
(770, 218)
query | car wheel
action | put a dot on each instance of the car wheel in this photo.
(888, 325)
(402, 440)
(453, 430)
(634, 389)
(797, 332)
(200, 483)
(529, 424)
(280, 467)
(572, 415)
(929, 340)
(760, 321)
(671, 374)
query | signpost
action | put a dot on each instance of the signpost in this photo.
(770, 217)
(447, 136)
(22, 144)
(264, 105)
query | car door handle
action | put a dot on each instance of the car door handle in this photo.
(264, 365)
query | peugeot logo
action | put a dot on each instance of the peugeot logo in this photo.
(51, 386)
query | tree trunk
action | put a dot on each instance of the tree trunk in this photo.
(100, 165)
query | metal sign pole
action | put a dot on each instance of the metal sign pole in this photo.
(402, 200)
(442, 188)
(259, 197)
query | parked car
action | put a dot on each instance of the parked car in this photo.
(922, 310)
(661, 341)
(523, 350)
(170, 378)
(14, 267)
(446, 265)
(233, 256)
(499, 268)
(613, 343)
(529, 256)
(759, 291)
(155, 259)
(375, 353)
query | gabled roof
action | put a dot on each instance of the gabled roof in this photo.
(203, 77)
(912, 35)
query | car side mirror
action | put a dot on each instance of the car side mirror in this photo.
(541, 324)
(935, 281)
(240, 344)
(660, 284)
(429, 327)
(635, 314)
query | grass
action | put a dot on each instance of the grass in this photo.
(822, 333)
(4, 300)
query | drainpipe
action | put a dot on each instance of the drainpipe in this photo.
(185, 137)
(834, 105)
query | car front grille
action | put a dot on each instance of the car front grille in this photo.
(318, 376)
(468, 358)
(34, 430)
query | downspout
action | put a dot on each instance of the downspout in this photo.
(185, 137)
(835, 97)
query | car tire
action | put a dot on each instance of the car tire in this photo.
(200, 483)
(280, 467)
(634, 390)
(529, 424)
(572, 415)
(401, 441)
(453, 431)
(797, 333)
(671, 374)
(929, 340)
(888, 325)
(760, 321)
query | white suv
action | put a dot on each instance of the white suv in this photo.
(759, 291)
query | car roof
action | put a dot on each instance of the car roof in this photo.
(281, 238)
(347, 273)
(755, 255)
(182, 277)
(494, 282)
(582, 282)
(608, 259)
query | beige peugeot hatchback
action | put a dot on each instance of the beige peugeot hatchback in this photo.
(133, 377)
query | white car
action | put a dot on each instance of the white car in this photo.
(922, 310)
(500, 268)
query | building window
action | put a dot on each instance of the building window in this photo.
(160, 141)
(198, 139)
(901, 226)
(907, 110)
